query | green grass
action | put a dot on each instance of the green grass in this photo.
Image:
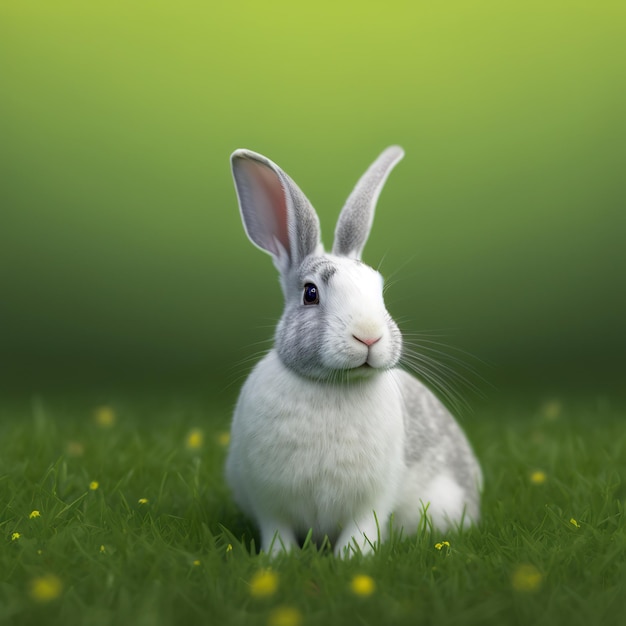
(187, 556)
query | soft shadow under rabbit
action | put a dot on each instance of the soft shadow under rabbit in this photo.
(328, 433)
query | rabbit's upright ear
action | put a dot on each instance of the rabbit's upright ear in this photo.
(357, 215)
(277, 216)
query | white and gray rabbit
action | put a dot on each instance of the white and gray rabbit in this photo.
(328, 433)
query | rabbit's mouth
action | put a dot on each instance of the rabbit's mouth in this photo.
(363, 370)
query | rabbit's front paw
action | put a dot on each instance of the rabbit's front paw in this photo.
(358, 538)
(277, 538)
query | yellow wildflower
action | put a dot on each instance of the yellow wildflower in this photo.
(45, 588)
(102, 550)
(196, 563)
(15, 536)
(229, 548)
(143, 501)
(93, 485)
(223, 438)
(75, 448)
(285, 616)
(363, 585)
(34, 514)
(538, 477)
(551, 409)
(442, 544)
(526, 577)
(104, 416)
(195, 439)
(264, 583)
(573, 522)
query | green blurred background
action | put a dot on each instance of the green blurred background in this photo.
(122, 256)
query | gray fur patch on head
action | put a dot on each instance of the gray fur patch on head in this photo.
(328, 273)
(317, 266)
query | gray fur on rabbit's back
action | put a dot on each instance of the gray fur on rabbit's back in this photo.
(434, 442)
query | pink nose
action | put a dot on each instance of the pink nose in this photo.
(367, 342)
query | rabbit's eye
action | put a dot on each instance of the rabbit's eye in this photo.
(311, 294)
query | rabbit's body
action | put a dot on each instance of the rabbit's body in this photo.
(328, 434)
(311, 455)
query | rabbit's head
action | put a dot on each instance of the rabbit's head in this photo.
(335, 325)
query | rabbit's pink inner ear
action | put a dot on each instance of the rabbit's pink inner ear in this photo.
(264, 207)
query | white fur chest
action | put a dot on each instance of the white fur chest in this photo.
(315, 455)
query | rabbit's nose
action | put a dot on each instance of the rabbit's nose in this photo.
(367, 341)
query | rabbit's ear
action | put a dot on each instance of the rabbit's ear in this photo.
(357, 215)
(277, 216)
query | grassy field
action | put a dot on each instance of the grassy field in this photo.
(118, 514)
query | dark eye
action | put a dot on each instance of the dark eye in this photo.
(311, 295)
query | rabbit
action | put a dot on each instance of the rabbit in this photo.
(329, 436)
